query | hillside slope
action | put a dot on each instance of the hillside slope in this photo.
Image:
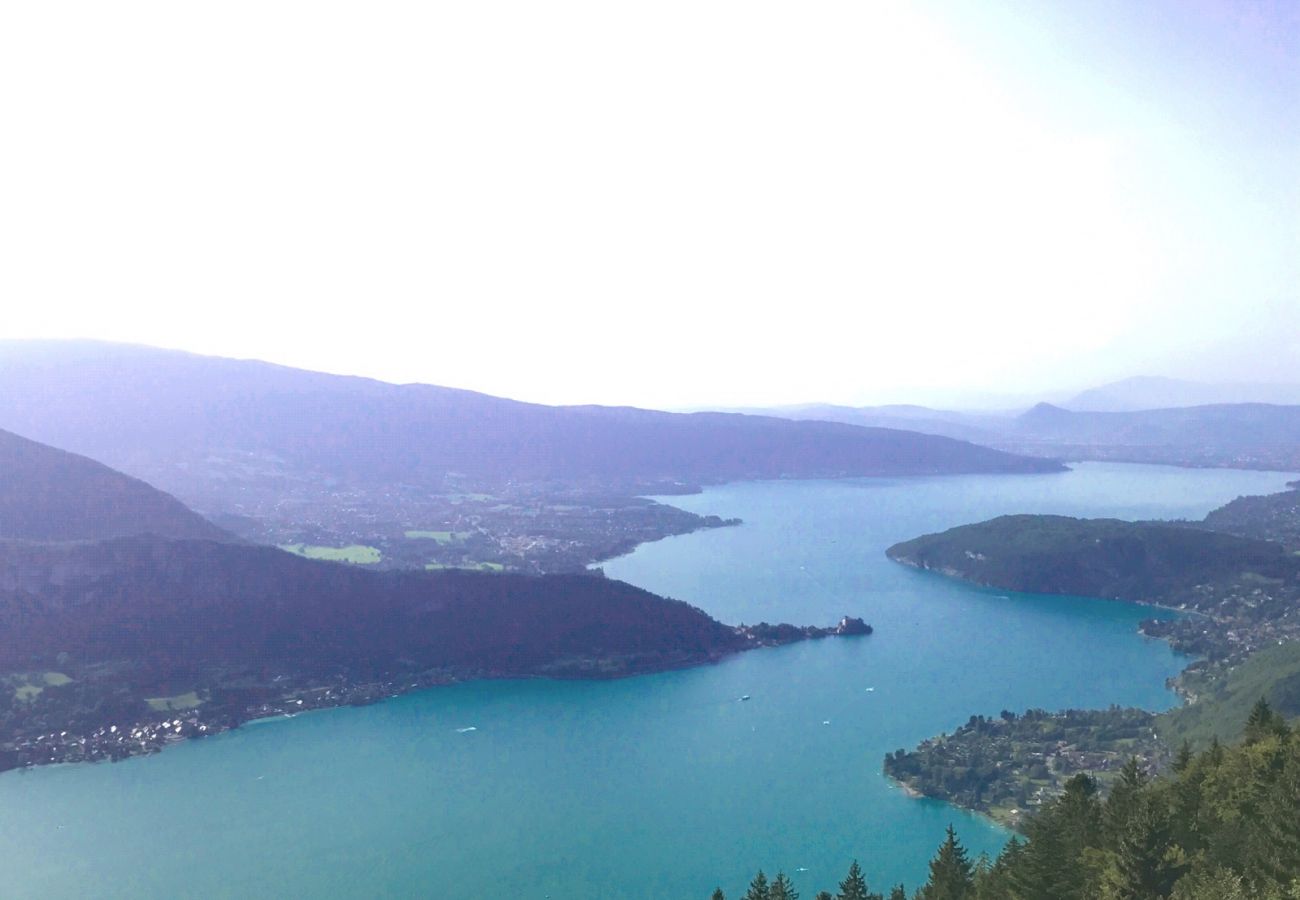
(190, 609)
(50, 495)
(1136, 561)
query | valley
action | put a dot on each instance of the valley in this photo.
(418, 799)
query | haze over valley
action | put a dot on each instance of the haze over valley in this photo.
(365, 541)
(650, 451)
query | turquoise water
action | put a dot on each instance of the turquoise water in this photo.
(655, 787)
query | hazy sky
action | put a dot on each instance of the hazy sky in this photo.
(667, 203)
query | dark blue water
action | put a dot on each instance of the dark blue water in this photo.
(655, 787)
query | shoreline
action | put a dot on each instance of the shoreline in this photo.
(913, 794)
(145, 737)
(1175, 684)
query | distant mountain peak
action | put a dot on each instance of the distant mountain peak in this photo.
(1044, 411)
(1144, 392)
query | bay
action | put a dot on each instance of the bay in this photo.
(654, 787)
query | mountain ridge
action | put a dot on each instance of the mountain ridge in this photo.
(47, 494)
(1144, 392)
(1243, 435)
(172, 418)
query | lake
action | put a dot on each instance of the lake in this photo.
(660, 786)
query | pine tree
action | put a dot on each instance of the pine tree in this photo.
(951, 873)
(1276, 851)
(718, 895)
(782, 889)
(1259, 724)
(1218, 884)
(758, 888)
(898, 892)
(1191, 817)
(1263, 723)
(854, 886)
(1010, 866)
(824, 895)
(1052, 865)
(1184, 758)
(1000, 881)
(1147, 863)
(1123, 801)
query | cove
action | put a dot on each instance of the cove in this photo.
(655, 787)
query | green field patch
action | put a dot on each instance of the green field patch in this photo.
(442, 537)
(469, 566)
(27, 686)
(359, 554)
(188, 700)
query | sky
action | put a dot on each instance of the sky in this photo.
(672, 204)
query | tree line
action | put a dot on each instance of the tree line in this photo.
(1223, 824)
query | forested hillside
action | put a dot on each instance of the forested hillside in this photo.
(1248, 590)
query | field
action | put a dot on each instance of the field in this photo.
(180, 701)
(29, 687)
(442, 537)
(353, 553)
(480, 566)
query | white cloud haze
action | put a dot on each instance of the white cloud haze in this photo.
(677, 203)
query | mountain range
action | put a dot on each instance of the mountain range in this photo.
(1248, 435)
(1154, 392)
(209, 427)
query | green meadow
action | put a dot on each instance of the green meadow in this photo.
(442, 537)
(474, 566)
(353, 553)
(29, 686)
(188, 700)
